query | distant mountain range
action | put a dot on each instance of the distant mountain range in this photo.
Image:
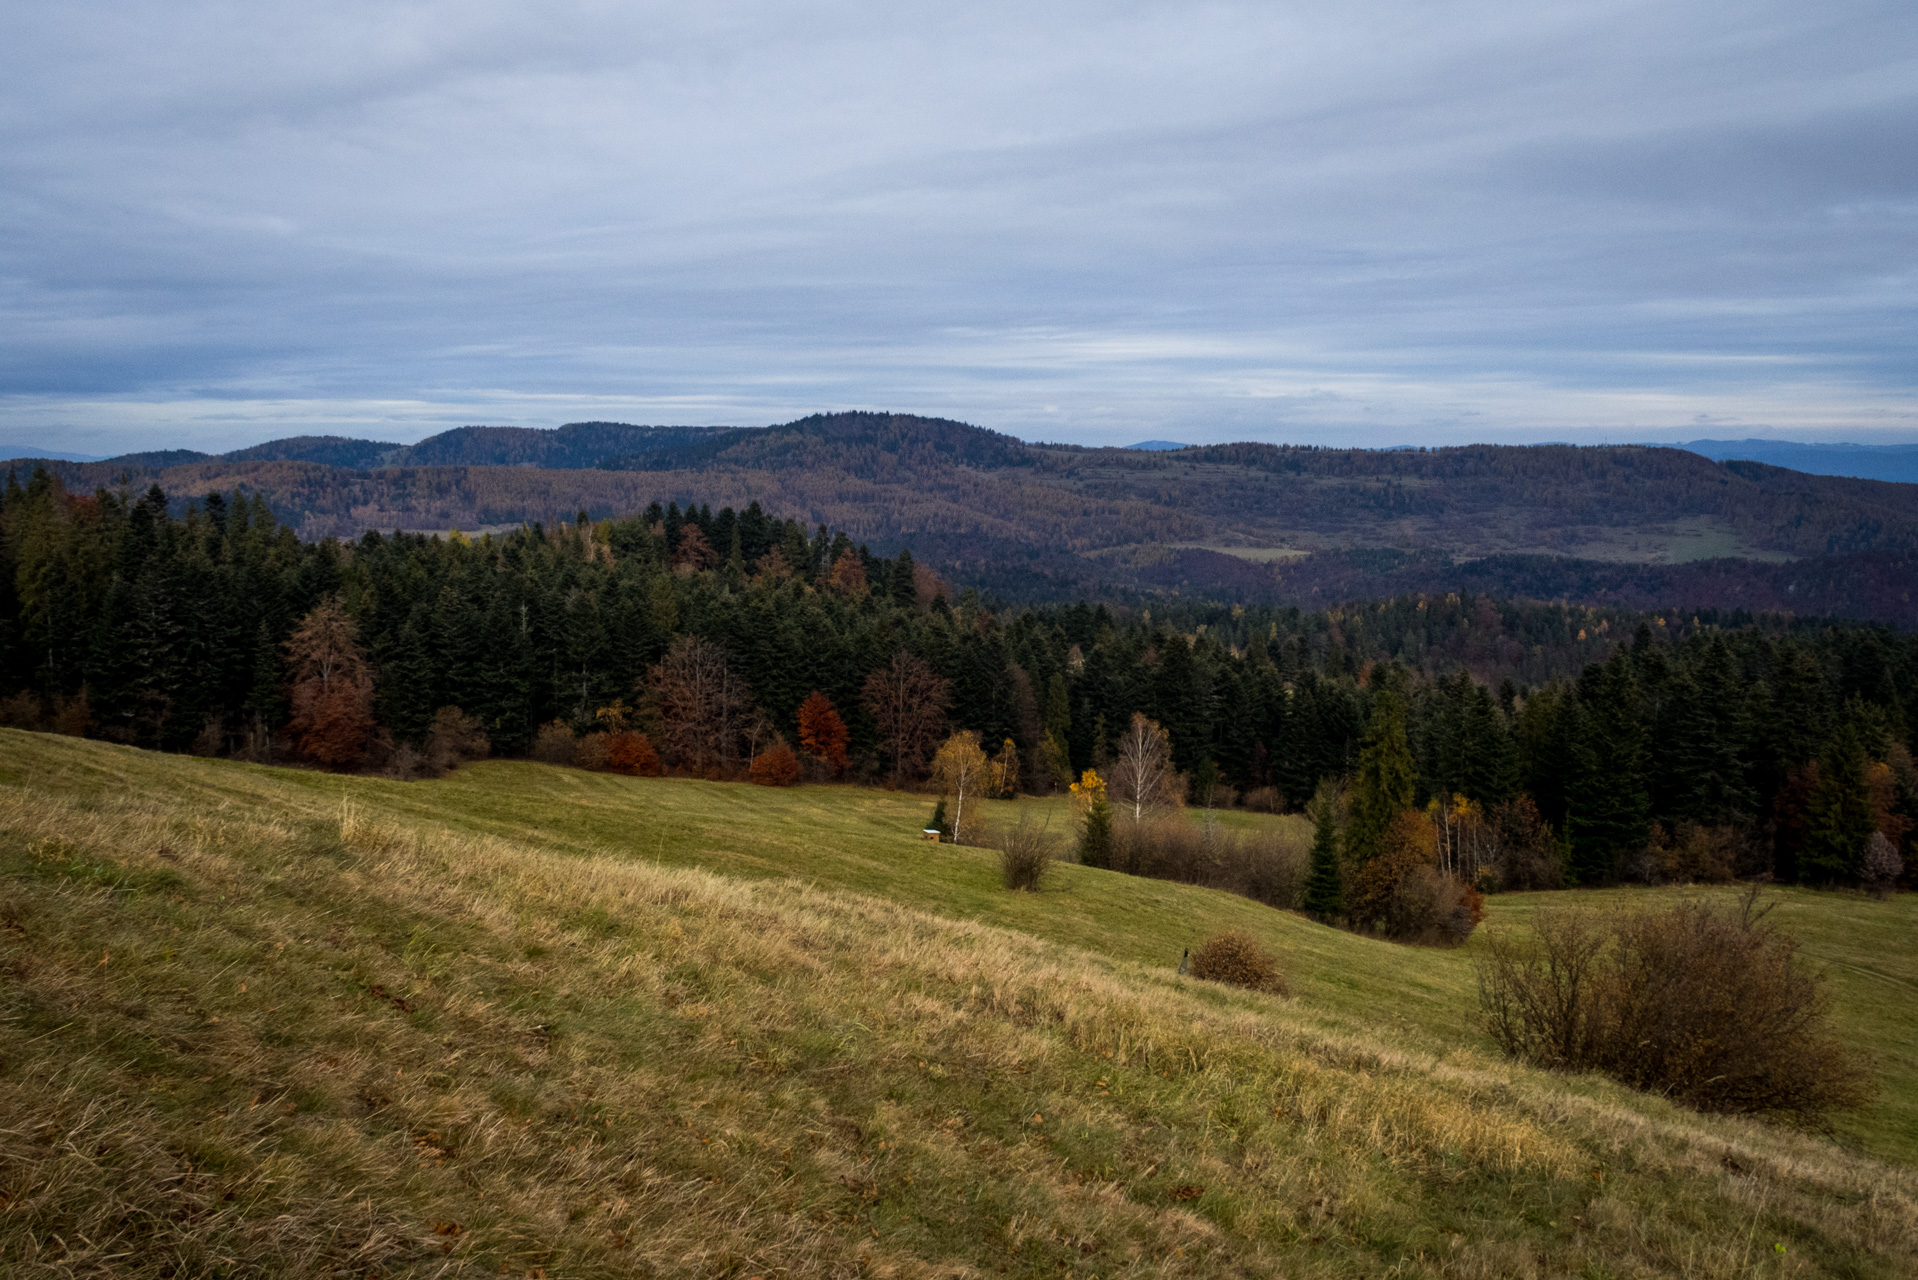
(1651, 526)
(1898, 462)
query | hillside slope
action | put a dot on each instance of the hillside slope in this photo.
(1235, 522)
(262, 1030)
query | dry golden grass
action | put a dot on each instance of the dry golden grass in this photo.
(240, 1041)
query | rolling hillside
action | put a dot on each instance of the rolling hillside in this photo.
(273, 1022)
(1234, 522)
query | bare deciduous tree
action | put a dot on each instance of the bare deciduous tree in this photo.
(703, 707)
(908, 704)
(1142, 776)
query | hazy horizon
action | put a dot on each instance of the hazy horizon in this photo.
(1376, 225)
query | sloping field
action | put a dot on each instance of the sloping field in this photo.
(499, 1024)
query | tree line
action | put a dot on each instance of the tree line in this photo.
(1643, 745)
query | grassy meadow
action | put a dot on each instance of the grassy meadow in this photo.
(532, 1021)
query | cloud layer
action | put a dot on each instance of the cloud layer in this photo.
(1380, 223)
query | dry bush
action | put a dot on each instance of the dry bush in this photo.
(1882, 865)
(211, 740)
(776, 766)
(1238, 961)
(632, 753)
(1432, 908)
(1688, 854)
(1025, 851)
(555, 743)
(453, 739)
(1264, 800)
(21, 711)
(590, 752)
(1709, 1007)
(1267, 866)
(1522, 852)
(404, 764)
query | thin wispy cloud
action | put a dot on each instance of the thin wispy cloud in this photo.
(1380, 223)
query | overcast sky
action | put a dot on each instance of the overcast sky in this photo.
(1370, 222)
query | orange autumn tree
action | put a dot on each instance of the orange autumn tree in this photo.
(332, 694)
(776, 766)
(822, 732)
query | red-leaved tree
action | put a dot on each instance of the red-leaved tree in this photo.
(776, 766)
(332, 694)
(821, 731)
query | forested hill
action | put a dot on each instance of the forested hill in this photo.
(220, 631)
(1245, 522)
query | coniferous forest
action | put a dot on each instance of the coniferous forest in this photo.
(1607, 745)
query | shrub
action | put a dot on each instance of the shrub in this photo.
(1238, 961)
(211, 739)
(1882, 865)
(1433, 908)
(453, 739)
(404, 764)
(1025, 851)
(21, 711)
(1708, 1007)
(1688, 854)
(590, 753)
(632, 753)
(776, 766)
(1267, 866)
(1264, 800)
(1523, 852)
(555, 743)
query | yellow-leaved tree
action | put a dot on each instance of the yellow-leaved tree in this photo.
(961, 770)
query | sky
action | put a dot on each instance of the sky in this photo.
(1370, 223)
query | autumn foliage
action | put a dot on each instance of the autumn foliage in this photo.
(332, 694)
(776, 766)
(632, 753)
(821, 731)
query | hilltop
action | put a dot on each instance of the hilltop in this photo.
(539, 1022)
(1244, 522)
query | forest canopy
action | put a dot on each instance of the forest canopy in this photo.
(1761, 745)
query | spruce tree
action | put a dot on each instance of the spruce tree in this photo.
(1095, 840)
(1839, 818)
(901, 585)
(1608, 797)
(1325, 885)
(1385, 785)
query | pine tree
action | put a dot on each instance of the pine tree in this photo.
(1095, 831)
(1608, 796)
(901, 584)
(1325, 884)
(1385, 784)
(1839, 818)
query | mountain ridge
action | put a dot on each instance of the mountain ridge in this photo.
(1660, 526)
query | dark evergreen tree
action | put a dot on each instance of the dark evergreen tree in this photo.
(1839, 815)
(1325, 882)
